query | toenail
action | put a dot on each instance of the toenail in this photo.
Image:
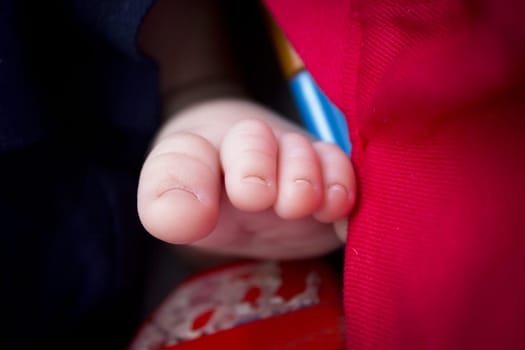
(337, 187)
(303, 180)
(182, 189)
(256, 179)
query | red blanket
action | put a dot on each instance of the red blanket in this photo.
(434, 95)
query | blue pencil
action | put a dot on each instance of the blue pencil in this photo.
(318, 114)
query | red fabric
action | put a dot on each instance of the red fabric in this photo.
(434, 97)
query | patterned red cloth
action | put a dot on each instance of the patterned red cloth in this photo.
(434, 95)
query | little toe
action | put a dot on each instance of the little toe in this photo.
(339, 183)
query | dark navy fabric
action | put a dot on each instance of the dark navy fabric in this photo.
(20, 121)
(78, 107)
